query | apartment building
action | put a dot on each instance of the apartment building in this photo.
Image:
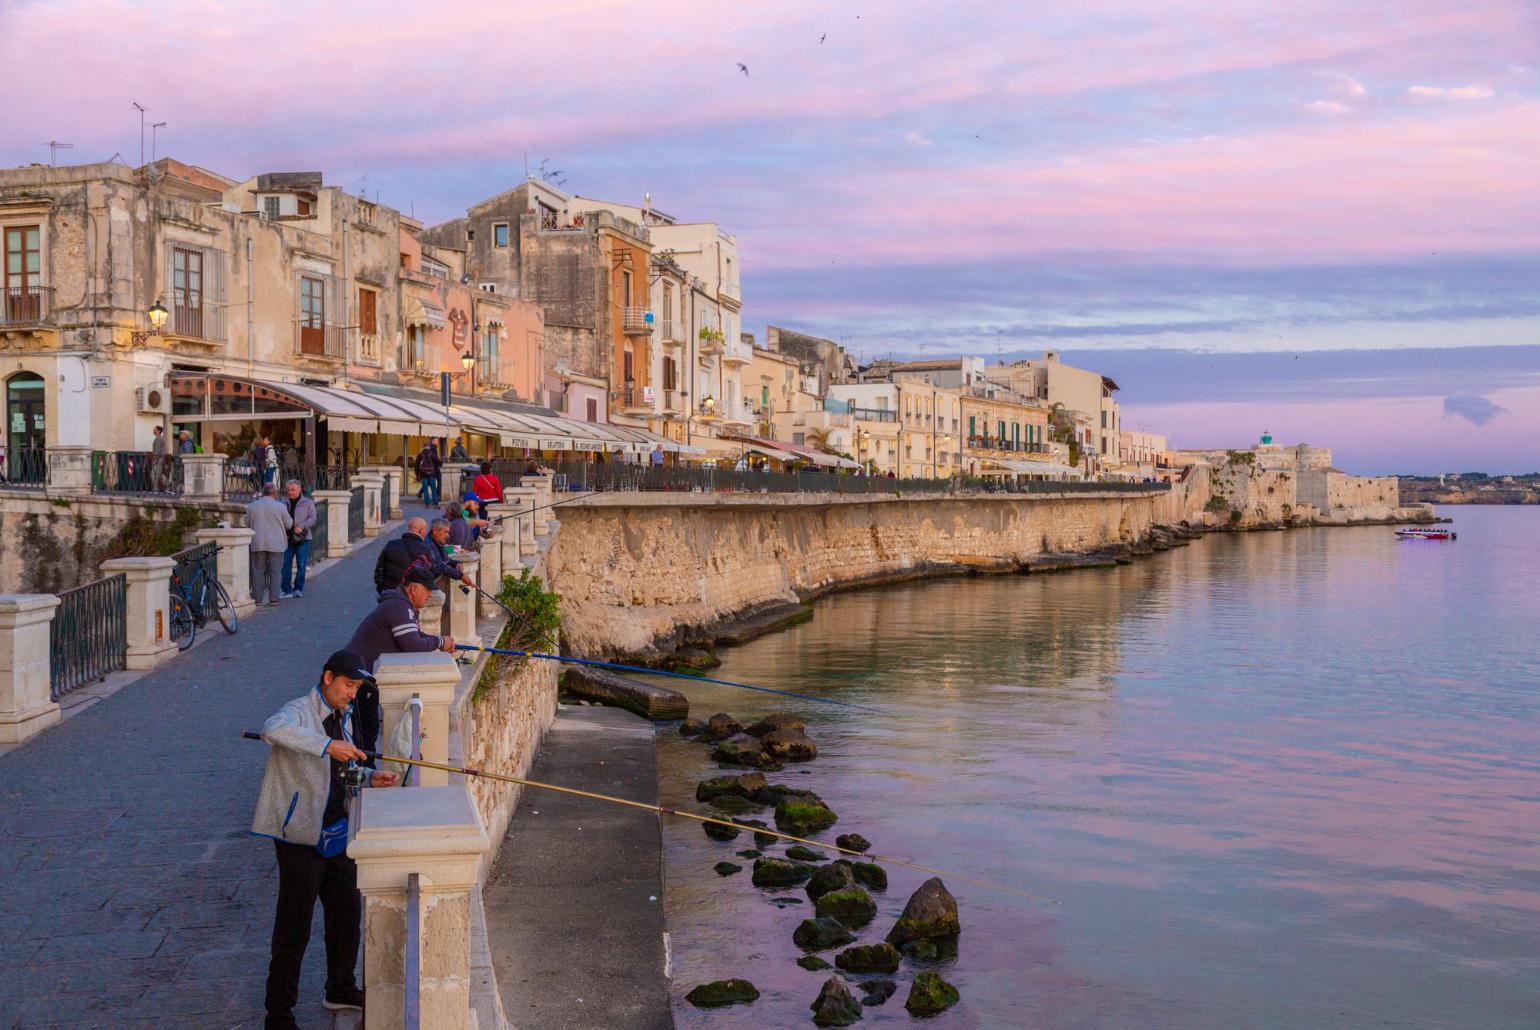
(1088, 395)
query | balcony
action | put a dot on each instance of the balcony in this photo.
(711, 342)
(991, 443)
(323, 341)
(736, 353)
(634, 400)
(673, 406)
(26, 305)
(873, 415)
(671, 333)
(421, 277)
(636, 321)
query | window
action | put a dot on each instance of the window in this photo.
(1016, 435)
(499, 234)
(304, 207)
(488, 358)
(593, 410)
(488, 287)
(669, 375)
(415, 354)
(764, 398)
(368, 322)
(187, 291)
(972, 427)
(23, 273)
(1104, 420)
(312, 315)
(270, 207)
(625, 280)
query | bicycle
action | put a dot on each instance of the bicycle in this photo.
(189, 602)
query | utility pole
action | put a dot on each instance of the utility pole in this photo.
(141, 109)
(157, 125)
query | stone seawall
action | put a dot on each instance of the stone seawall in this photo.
(638, 572)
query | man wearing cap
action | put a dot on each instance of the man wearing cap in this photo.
(303, 808)
(392, 628)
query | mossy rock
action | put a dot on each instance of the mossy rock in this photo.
(776, 721)
(835, 1005)
(929, 994)
(775, 793)
(803, 854)
(813, 962)
(733, 805)
(722, 992)
(727, 868)
(741, 785)
(721, 726)
(750, 853)
(869, 958)
(930, 914)
(823, 932)
(835, 876)
(803, 818)
(743, 750)
(777, 872)
(939, 949)
(716, 831)
(875, 992)
(870, 874)
(789, 746)
(851, 906)
(853, 842)
(761, 840)
(691, 728)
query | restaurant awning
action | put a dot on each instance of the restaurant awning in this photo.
(1034, 468)
(216, 397)
(416, 312)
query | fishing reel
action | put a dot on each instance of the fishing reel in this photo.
(355, 776)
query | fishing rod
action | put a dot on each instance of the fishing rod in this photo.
(661, 672)
(710, 820)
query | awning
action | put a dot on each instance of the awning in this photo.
(215, 396)
(416, 312)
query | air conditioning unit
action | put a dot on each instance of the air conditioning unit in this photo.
(153, 400)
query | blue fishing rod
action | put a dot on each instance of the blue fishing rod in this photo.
(639, 670)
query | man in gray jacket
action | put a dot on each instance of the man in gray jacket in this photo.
(302, 512)
(303, 808)
(268, 519)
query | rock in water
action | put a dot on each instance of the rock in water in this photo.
(777, 872)
(744, 750)
(835, 1005)
(742, 786)
(853, 842)
(691, 728)
(802, 817)
(802, 854)
(717, 832)
(869, 958)
(693, 658)
(727, 868)
(851, 906)
(835, 876)
(776, 721)
(761, 840)
(789, 745)
(722, 992)
(821, 933)
(775, 793)
(929, 994)
(870, 874)
(875, 992)
(931, 914)
(813, 962)
(721, 726)
(750, 853)
(734, 805)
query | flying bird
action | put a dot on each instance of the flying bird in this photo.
(822, 38)
(743, 68)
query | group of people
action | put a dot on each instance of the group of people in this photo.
(326, 742)
(280, 542)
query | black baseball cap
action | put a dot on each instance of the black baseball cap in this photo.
(349, 664)
(420, 574)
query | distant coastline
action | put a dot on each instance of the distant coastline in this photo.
(1431, 492)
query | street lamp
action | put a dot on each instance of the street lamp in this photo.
(157, 316)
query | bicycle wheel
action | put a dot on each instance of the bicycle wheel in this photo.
(224, 608)
(183, 628)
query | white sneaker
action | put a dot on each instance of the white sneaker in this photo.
(285, 596)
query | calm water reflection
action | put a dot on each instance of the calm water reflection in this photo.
(1280, 779)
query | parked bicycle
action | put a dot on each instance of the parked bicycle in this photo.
(191, 601)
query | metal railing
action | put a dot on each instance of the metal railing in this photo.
(190, 565)
(671, 331)
(136, 472)
(88, 637)
(635, 320)
(874, 414)
(25, 467)
(323, 341)
(411, 986)
(320, 533)
(995, 443)
(356, 513)
(26, 305)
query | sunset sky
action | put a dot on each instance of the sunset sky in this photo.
(1318, 218)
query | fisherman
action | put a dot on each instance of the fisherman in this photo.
(303, 808)
(413, 546)
(392, 628)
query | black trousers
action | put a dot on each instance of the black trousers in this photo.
(303, 876)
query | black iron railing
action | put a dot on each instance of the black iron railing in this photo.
(88, 637)
(25, 466)
(356, 514)
(320, 533)
(136, 472)
(192, 566)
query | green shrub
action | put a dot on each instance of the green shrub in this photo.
(534, 626)
(142, 536)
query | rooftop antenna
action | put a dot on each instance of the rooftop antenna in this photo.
(141, 109)
(54, 146)
(153, 149)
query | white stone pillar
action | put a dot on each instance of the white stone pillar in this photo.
(512, 532)
(27, 707)
(69, 471)
(431, 618)
(545, 515)
(390, 501)
(333, 505)
(149, 608)
(462, 605)
(203, 477)
(435, 833)
(232, 563)
(524, 498)
(432, 677)
(491, 575)
(373, 485)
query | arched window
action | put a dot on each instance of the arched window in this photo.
(24, 411)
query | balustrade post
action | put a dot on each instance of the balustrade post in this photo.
(512, 531)
(523, 497)
(491, 575)
(333, 507)
(69, 471)
(374, 486)
(462, 604)
(27, 707)
(232, 563)
(149, 608)
(543, 513)
(435, 833)
(390, 500)
(203, 477)
(431, 617)
(432, 677)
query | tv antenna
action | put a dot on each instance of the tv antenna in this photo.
(54, 146)
(141, 109)
(153, 127)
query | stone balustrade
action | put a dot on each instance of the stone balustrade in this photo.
(203, 477)
(332, 505)
(463, 601)
(431, 679)
(232, 563)
(374, 486)
(523, 499)
(27, 707)
(491, 573)
(148, 605)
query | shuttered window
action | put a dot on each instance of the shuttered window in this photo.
(367, 317)
(195, 290)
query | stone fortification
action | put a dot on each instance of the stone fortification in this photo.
(636, 570)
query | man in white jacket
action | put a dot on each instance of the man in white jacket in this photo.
(303, 808)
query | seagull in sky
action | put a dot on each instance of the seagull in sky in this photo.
(743, 68)
(822, 38)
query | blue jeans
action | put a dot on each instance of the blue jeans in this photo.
(430, 491)
(300, 553)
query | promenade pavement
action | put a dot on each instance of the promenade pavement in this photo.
(134, 894)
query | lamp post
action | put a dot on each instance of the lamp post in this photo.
(863, 439)
(157, 316)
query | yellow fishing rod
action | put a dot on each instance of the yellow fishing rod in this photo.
(710, 820)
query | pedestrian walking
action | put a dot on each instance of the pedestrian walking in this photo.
(303, 808)
(302, 516)
(458, 452)
(429, 468)
(487, 486)
(268, 519)
(392, 628)
(160, 460)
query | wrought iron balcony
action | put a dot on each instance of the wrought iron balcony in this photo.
(671, 332)
(325, 341)
(26, 305)
(635, 320)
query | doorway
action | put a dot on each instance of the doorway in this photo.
(25, 430)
